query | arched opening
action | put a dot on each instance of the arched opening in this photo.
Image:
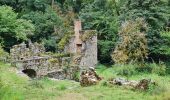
(30, 72)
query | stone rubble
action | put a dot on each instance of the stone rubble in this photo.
(141, 84)
(89, 77)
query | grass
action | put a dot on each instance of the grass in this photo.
(16, 87)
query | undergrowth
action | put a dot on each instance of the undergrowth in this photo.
(15, 87)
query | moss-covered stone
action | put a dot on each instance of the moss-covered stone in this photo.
(65, 40)
(88, 34)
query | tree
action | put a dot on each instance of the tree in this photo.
(155, 13)
(101, 16)
(17, 5)
(132, 44)
(13, 30)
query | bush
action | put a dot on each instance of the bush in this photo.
(159, 69)
(132, 43)
(127, 70)
(132, 69)
(3, 55)
(76, 76)
(153, 68)
(144, 69)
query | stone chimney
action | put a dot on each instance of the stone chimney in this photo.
(77, 30)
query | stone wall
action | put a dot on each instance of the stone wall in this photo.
(33, 57)
(83, 54)
(89, 58)
(71, 47)
(85, 51)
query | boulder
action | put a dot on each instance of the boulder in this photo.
(89, 77)
(141, 84)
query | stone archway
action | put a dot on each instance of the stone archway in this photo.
(30, 72)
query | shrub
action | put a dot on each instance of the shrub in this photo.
(132, 44)
(3, 55)
(127, 70)
(144, 69)
(159, 69)
(153, 68)
(64, 41)
(76, 76)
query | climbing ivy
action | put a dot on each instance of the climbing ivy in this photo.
(65, 40)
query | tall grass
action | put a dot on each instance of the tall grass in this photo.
(14, 87)
(10, 84)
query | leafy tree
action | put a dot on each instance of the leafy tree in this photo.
(132, 44)
(44, 25)
(13, 30)
(101, 16)
(27, 5)
(155, 12)
(17, 5)
(75, 5)
(36, 5)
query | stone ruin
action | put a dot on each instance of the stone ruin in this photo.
(32, 59)
(142, 84)
(83, 45)
(89, 77)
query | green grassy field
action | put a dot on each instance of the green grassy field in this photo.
(16, 87)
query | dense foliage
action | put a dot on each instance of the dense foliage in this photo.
(12, 29)
(50, 22)
(132, 44)
(155, 13)
(101, 16)
(129, 32)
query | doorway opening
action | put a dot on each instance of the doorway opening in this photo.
(30, 72)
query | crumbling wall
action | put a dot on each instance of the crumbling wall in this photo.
(71, 47)
(83, 45)
(21, 52)
(34, 58)
(89, 58)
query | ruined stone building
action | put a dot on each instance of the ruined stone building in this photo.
(84, 45)
(35, 62)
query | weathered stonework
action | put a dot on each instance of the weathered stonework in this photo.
(34, 61)
(31, 62)
(84, 50)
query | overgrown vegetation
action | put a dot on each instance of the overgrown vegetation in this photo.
(51, 89)
(12, 29)
(133, 38)
(88, 35)
(53, 22)
(3, 55)
(132, 44)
